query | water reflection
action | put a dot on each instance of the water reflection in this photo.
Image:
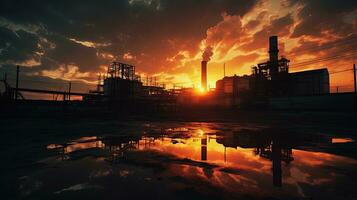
(342, 140)
(204, 148)
(236, 160)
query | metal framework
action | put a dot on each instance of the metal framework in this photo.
(122, 70)
(271, 70)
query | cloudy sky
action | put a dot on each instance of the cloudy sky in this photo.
(57, 41)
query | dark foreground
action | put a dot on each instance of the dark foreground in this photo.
(243, 156)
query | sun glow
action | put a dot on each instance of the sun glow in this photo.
(200, 91)
(201, 132)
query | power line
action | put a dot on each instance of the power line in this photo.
(348, 50)
(336, 72)
(337, 53)
(319, 60)
(317, 48)
(341, 42)
(312, 61)
(40, 81)
(59, 82)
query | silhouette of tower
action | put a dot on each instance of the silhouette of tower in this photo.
(204, 75)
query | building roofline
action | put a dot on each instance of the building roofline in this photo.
(311, 71)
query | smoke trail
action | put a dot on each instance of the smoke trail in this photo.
(206, 55)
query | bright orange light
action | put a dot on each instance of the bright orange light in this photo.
(201, 132)
(200, 91)
(341, 140)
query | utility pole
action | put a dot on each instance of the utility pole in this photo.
(354, 77)
(337, 89)
(224, 70)
(69, 90)
(17, 81)
(99, 81)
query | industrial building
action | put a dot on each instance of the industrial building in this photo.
(269, 81)
(122, 83)
(311, 82)
(122, 89)
(233, 85)
(272, 79)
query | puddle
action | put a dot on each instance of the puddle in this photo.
(196, 161)
(342, 140)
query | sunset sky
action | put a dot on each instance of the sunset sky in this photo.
(57, 41)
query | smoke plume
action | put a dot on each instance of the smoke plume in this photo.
(206, 55)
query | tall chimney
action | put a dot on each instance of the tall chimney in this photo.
(273, 57)
(204, 75)
(273, 48)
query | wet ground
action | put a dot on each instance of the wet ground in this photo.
(56, 159)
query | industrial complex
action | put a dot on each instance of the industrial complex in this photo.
(272, 79)
(270, 84)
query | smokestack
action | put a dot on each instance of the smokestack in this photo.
(273, 49)
(273, 57)
(204, 75)
(206, 56)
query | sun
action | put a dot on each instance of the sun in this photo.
(200, 91)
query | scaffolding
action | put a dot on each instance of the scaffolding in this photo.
(122, 71)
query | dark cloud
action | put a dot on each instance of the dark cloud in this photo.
(345, 48)
(69, 52)
(140, 27)
(324, 15)
(278, 26)
(19, 46)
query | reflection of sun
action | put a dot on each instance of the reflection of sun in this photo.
(201, 132)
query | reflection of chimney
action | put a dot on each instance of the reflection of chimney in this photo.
(276, 158)
(204, 75)
(204, 148)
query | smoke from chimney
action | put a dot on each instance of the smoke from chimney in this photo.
(206, 55)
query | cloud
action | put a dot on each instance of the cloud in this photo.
(18, 47)
(164, 36)
(324, 17)
(89, 43)
(117, 27)
(65, 72)
(128, 56)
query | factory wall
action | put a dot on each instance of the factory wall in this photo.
(117, 87)
(232, 86)
(343, 101)
(312, 82)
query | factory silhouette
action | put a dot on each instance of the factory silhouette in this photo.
(270, 86)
